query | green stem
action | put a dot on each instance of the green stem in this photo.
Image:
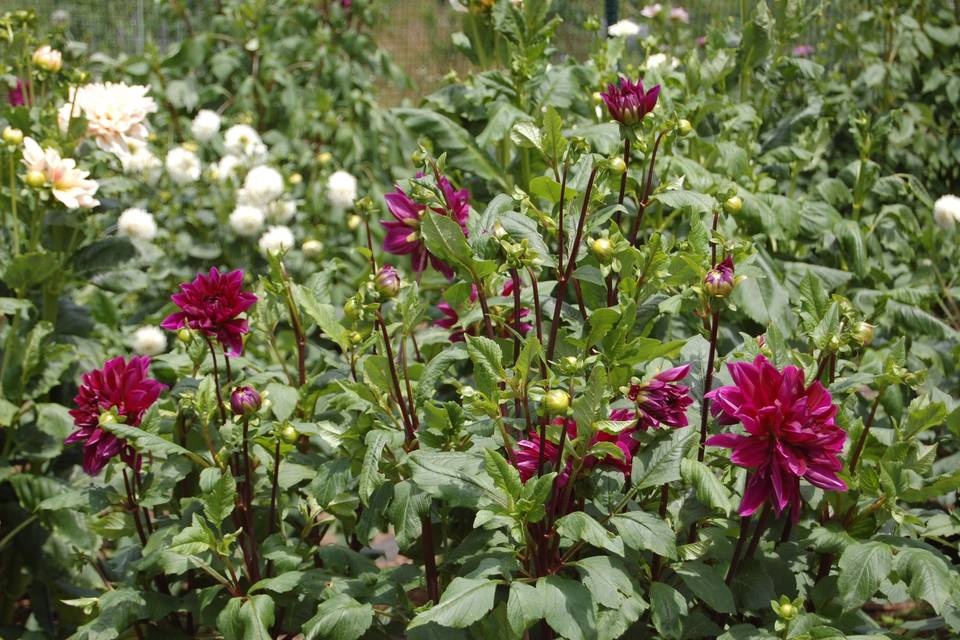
(15, 227)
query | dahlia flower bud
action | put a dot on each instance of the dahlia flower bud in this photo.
(946, 211)
(557, 401)
(245, 401)
(295, 179)
(36, 179)
(289, 434)
(387, 281)
(719, 281)
(12, 136)
(685, 127)
(48, 59)
(733, 205)
(602, 249)
(617, 165)
(312, 248)
(354, 222)
(864, 333)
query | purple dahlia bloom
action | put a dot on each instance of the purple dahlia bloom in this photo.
(627, 101)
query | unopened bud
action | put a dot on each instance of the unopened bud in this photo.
(245, 401)
(295, 178)
(720, 281)
(733, 205)
(12, 136)
(618, 165)
(353, 222)
(312, 248)
(685, 127)
(184, 336)
(36, 179)
(864, 333)
(387, 281)
(602, 249)
(289, 434)
(557, 401)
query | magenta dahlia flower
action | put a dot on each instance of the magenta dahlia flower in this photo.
(17, 96)
(661, 401)
(119, 385)
(526, 454)
(803, 51)
(210, 304)
(403, 232)
(791, 433)
(627, 101)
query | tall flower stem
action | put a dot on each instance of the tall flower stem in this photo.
(297, 327)
(430, 559)
(485, 308)
(623, 178)
(395, 379)
(516, 329)
(657, 563)
(248, 494)
(858, 450)
(648, 185)
(565, 274)
(707, 383)
(14, 228)
(741, 540)
(216, 380)
(758, 532)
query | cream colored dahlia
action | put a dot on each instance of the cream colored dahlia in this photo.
(116, 114)
(68, 184)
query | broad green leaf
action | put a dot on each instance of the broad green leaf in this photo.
(445, 239)
(523, 607)
(568, 607)
(464, 602)
(325, 315)
(684, 199)
(863, 567)
(487, 364)
(434, 370)
(339, 618)
(370, 476)
(219, 493)
(457, 478)
(707, 584)
(608, 580)
(645, 531)
(406, 508)
(708, 487)
(580, 526)
(660, 463)
(279, 584)
(927, 575)
(146, 442)
(590, 404)
(669, 609)
(505, 476)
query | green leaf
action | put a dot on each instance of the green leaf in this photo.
(339, 618)
(927, 575)
(146, 442)
(708, 487)
(608, 580)
(104, 255)
(434, 370)
(580, 526)
(862, 568)
(29, 269)
(487, 368)
(707, 584)
(848, 231)
(568, 607)
(669, 609)
(505, 476)
(445, 239)
(523, 607)
(589, 405)
(457, 478)
(283, 400)
(370, 476)
(554, 142)
(325, 315)
(660, 464)
(644, 531)
(684, 199)
(405, 509)
(459, 144)
(219, 493)
(282, 583)
(464, 602)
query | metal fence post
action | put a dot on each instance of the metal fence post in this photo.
(612, 11)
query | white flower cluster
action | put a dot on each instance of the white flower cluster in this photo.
(341, 189)
(183, 165)
(946, 211)
(149, 341)
(138, 224)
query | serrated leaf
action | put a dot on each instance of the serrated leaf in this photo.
(219, 492)
(669, 608)
(580, 526)
(568, 607)
(660, 464)
(464, 602)
(863, 567)
(487, 368)
(708, 487)
(645, 531)
(707, 584)
(339, 618)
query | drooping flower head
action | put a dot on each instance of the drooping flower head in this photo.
(720, 281)
(627, 101)
(661, 401)
(403, 232)
(120, 386)
(211, 305)
(791, 433)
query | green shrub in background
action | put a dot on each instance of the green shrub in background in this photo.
(659, 342)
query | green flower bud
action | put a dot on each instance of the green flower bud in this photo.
(557, 401)
(685, 127)
(36, 179)
(733, 205)
(12, 137)
(618, 165)
(184, 336)
(602, 249)
(864, 333)
(289, 434)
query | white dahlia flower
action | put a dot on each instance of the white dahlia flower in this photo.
(276, 239)
(341, 189)
(624, 29)
(68, 184)
(205, 125)
(312, 248)
(149, 341)
(262, 186)
(141, 162)
(183, 165)
(946, 211)
(225, 169)
(116, 114)
(246, 220)
(137, 223)
(651, 10)
(281, 210)
(243, 141)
